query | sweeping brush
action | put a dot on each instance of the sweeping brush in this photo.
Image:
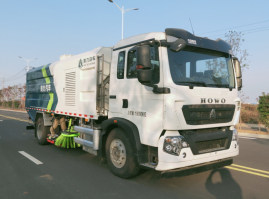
(66, 139)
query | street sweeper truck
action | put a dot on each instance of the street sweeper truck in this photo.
(163, 100)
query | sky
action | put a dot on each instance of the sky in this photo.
(45, 30)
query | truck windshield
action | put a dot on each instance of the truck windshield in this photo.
(200, 67)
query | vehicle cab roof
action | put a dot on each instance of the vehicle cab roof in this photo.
(130, 41)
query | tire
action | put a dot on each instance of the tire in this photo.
(41, 131)
(120, 154)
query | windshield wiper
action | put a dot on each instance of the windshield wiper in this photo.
(220, 85)
(193, 83)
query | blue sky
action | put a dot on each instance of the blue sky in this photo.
(48, 29)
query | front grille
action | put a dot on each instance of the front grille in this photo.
(208, 140)
(211, 145)
(208, 114)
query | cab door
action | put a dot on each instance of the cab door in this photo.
(133, 101)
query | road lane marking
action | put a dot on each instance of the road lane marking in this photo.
(1, 120)
(250, 138)
(33, 159)
(249, 172)
(14, 118)
(249, 168)
(18, 111)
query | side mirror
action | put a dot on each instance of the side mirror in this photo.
(143, 57)
(144, 68)
(144, 76)
(238, 73)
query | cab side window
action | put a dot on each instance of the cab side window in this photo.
(131, 64)
(120, 66)
(155, 63)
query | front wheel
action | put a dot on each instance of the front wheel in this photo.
(120, 153)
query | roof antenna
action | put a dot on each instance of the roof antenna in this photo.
(191, 26)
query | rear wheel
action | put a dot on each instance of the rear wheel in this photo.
(41, 131)
(120, 154)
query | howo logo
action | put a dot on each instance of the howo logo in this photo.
(212, 100)
(212, 114)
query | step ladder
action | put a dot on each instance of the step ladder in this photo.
(102, 87)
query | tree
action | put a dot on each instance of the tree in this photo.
(1, 97)
(12, 95)
(263, 109)
(236, 40)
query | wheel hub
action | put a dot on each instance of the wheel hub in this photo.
(117, 153)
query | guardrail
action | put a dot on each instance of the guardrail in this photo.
(252, 127)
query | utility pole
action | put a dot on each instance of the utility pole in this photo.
(123, 11)
(28, 67)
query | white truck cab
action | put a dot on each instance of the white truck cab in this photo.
(191, 119)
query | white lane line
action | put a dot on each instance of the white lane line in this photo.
(250, 138)
(1, 120)
(33, 159)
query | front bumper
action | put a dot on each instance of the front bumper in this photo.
(187, 159)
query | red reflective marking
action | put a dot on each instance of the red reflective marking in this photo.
(139, 67)
(80, 115)
(91, 116)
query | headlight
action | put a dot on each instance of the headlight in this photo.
(235, 135)
(174, 144)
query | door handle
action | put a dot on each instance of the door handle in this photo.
(124, 103)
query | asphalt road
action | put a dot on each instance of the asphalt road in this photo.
(73, 173)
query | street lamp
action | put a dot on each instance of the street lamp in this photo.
(28, 67)
(123, 11)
